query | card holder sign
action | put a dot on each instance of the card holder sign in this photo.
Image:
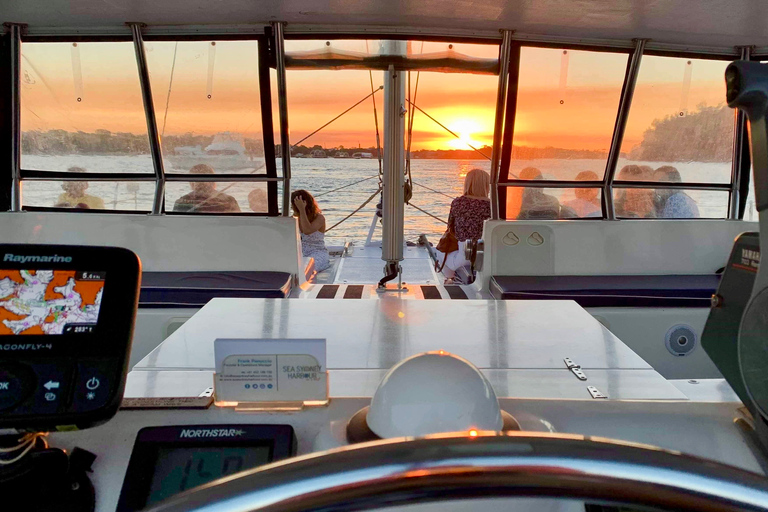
(263, 371)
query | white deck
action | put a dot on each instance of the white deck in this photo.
(520, 345)
(364, 265)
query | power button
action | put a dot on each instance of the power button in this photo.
(92, 383)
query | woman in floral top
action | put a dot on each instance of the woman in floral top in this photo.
(468, 213)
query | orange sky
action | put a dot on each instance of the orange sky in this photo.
(107, 85)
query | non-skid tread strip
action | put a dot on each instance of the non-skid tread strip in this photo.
(354, 291)
(328, 291)
(456, 292)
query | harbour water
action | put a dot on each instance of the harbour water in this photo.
(436, 183)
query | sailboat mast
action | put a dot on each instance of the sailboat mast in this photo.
(394, 161)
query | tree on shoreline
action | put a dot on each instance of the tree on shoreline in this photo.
(705, 135)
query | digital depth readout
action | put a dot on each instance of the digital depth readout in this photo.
(179, 469)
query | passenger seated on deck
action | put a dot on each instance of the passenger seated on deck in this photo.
(635, 202)
(312, 227)
(74, 193)
(204, 198)
(535, 203)
(468, 213)
(257, 200)
(671, 203)
(586, 204)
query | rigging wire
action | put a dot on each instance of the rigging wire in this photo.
(427, 213)
(411, 117)
(338, 116)
(294, 145)
(433, 190)
(449, 130)
(375, 117)
(170, 85)
(345, 186)
(357, 209)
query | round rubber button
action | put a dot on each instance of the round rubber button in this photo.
(11, 388)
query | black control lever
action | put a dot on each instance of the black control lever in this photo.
(747, 89)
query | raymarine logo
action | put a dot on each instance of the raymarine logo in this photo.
(37, 259)
(211, 432)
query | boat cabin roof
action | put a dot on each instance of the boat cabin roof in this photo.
(712, 23)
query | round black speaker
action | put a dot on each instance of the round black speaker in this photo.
(680, 340)
(753, 350)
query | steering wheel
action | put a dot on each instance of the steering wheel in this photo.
(482, 464)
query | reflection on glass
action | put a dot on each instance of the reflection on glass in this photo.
(534, 203)
(94, 195)
(206, 96)
(215, 197)
(663, 203)
(566, 111)
(679, 118)
(750, 209)
(81, 106)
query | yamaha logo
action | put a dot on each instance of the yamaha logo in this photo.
(196, 433)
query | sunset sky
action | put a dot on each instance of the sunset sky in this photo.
(565, 100)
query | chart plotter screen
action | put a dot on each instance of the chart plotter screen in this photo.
(50, 301)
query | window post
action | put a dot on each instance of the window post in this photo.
(149, 112)
(501, 92)
(739, 139)
(14, 32)
(627, 90)
(282, 97)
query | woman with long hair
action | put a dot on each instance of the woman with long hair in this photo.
(468, 213)
(312, 227)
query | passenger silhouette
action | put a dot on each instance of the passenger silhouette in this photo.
(312, 227)
(74, 193)
(635, 202)
(587, 203)
(204, 198)
(535, 203)
(671, 203)
(257, 201)
(468, 213)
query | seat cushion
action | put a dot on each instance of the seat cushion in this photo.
(174, 289)
(646, 291)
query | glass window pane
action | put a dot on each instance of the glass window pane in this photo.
(81, 107)
(531, 203)
(206, 96)
(96, 195)
(346, 151)
(679, 118)
(750, 209)
(216, 197)
(642, 203)
(566, 111)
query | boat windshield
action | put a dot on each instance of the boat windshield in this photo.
(576, 141)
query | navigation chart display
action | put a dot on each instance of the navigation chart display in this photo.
(49, 301)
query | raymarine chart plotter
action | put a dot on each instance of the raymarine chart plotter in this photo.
(66, 322)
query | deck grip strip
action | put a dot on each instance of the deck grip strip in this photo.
(354, 291)
(456, 292)
(328, 291)
(431, 292)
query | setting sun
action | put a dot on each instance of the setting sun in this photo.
(466, 129)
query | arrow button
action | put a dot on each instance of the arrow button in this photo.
(53, 383)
